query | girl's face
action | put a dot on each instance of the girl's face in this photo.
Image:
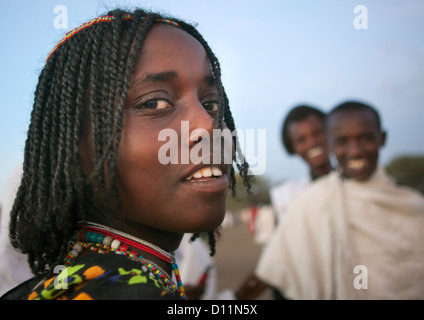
(172, 82)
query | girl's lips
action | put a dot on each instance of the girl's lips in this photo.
(209, 184)
(207, 178)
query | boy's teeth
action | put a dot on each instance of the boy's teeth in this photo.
(206, 172)
(356, 164)
(314, 152)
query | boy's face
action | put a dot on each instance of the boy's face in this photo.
(308, 140)
(355, 138)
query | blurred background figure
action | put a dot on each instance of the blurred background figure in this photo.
(354, 234)
(302, 134)
(197, 269)
(261, 222)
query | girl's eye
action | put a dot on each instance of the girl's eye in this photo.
(155, 104)
(211, 106)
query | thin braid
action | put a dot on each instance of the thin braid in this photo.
(132, 45)
(110, 67)
(212, 242)
(95, 104)
(82, 83)
(24, 190)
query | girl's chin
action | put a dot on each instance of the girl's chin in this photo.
(206, 224)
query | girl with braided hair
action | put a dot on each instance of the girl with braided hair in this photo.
(95, 202)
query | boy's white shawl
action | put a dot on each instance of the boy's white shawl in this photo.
(344, 239)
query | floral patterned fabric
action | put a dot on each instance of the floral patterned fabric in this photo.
(99, 277)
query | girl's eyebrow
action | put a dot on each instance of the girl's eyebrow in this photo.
(156, 77)
(167, 76)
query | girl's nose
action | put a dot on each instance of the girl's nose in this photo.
(201, 123)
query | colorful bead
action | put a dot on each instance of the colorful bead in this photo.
(90, 236)
(132, 254)
(99, 238)
(115, 244)
(73, 253)
(107, 241)
(77, 247)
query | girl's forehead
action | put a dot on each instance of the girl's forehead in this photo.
(167, 47)
(170, 38)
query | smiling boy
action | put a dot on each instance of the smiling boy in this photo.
(354, 234)
(355, 139)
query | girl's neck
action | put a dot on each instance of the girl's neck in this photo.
(167, 241)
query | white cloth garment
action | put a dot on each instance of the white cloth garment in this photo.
(343, 239)
(264, 224)
(283, 194)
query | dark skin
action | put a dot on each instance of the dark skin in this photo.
(355, 139)
(172, 82)
(308, 140)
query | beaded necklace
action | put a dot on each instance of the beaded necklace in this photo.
(128, 239)
(102, 240)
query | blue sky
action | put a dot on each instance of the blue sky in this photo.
(274, 55)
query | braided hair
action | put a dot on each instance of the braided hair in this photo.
(81, 91)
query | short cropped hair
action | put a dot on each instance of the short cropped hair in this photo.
(355, 106)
